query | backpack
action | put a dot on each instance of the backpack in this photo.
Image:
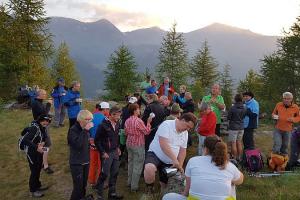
(253, 160)
(25, 132)
(278, 162)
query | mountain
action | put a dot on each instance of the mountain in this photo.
(91, 45)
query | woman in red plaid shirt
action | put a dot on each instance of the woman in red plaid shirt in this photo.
(135, 130)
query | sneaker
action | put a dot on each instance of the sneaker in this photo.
(114, 196)
(43, 188)
(48, 170)
(37, 194)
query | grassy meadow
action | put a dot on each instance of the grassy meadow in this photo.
(14, 171)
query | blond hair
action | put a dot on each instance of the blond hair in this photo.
(83, 115)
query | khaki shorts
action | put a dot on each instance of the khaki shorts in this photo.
(235, 135)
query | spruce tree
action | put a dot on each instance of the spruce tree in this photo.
(203, 67)
(121, 75)
(173, 58)
(226, 84)
(32, 39)
(64, 66)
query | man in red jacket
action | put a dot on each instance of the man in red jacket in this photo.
(166, 89)
(207, 125)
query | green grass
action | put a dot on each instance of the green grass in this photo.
(14, 170)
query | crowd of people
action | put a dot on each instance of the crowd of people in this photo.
(151, 133)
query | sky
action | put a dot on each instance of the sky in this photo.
(268, 17)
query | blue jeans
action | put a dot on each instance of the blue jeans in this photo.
(60, 114)
(281, 141)
(201, 145)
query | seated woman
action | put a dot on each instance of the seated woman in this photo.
(210, 177)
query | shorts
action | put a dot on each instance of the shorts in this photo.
(235, 135)
(48, 139)
(152, 158)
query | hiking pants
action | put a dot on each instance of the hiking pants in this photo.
(136, 158)
(248, 139)
(79, 175)
(60, 114)
(35, 165)
(110, 166)
(281, 141)
(95, 166)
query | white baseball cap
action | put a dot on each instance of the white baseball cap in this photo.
(104, 105)
(132, 100)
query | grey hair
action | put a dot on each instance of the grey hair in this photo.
(204, 106)
(84, 114)
(74, 83)
(162, 98)
(287, 94)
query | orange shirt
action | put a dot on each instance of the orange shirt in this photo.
(284, 113)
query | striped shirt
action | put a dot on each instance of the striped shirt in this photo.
(136, 130)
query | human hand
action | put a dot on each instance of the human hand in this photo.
(88, 126)
(119, 151)
(105, 155)
(78, 100)
(177, 165)
(50, 101)
(149, 120)
(40, 148)
(290, 119)
(275, 117)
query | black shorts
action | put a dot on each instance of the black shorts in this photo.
(152, 158)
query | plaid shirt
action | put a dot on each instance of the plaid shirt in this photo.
(135, 130)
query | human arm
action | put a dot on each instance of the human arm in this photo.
(55, 93)
(187, 186)
(164, 144)
(181, 156)
(238, 181)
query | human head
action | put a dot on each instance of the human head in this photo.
(287, 98)
(204, 108)
(152, 97)
(153, 83)
(137, 95)
(248, 95)
(41, 94)
(75, 86)
(164, 101)
(115, 113)
(188, 95)
(186, 122)
(238, 98)
(84, 117)
(215, 89)
(166, 80)
(182, 89)
(217, 149)
(104, 108)
(134, 109)
(44, 119)
(176, 110)
(148, 78)
(60, 82)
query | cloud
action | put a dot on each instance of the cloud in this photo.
(91, 11)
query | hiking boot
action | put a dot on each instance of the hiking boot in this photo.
(43, 188)
(37, 194)
(114, 196)
(48, 170)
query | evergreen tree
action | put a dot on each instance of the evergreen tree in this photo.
(252, 82)
(226, 84)
(64, 66)
(173, 58)
(30, 37)
(121, 75)
(203, 67)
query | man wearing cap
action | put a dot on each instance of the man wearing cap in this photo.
(39, 108)
(73, 102)
(34, 141)
(101, 112)
(175, 112)
(78, 140)
(250, 120)
(107, 142)
(58, 92)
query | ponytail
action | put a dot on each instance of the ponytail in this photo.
(218, 151)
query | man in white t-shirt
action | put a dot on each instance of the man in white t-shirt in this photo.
(168, 148)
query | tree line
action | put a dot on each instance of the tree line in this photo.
(27, 56)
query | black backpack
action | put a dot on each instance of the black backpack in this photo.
(25, 132)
